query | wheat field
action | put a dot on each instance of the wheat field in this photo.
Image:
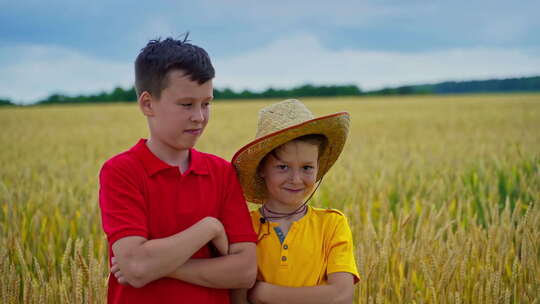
(442, 194)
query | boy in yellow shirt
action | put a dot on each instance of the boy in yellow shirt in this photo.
(304, 254)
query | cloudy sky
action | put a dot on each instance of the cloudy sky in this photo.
(74, 47)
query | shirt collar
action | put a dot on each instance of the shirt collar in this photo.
(153, 164)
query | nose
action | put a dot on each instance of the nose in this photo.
(294, 177)
(197, 115)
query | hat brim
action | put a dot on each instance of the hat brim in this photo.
(334, 127)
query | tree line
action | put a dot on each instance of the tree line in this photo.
(120, 94)
(524, 84)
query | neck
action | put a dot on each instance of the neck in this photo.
(168, 154)
(275, 211)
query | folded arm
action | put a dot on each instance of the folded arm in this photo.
(239, 296)
(238, 269)
(340, 289)
(143, 261)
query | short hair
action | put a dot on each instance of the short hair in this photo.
(318, 140)
(159, 57)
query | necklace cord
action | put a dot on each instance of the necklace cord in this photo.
(281, 215)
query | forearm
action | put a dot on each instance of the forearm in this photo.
(239, 296)
(323, 294)
(153, 259)
(236, 270)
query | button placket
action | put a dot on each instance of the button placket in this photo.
(284, 254)
(284, 249)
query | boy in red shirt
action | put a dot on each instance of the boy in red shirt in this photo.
(164, 205)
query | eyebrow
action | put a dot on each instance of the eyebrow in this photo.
(303, 163)
(193, 99)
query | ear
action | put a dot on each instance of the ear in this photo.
(145, 103)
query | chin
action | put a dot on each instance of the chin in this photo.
(184, 145)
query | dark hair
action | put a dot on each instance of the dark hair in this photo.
(159, 57)
(318, 140)
(314, 139)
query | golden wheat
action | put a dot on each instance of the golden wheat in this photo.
(441, 195)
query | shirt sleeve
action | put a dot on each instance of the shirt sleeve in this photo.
(234, 213)
(341, 250)
(123, 211)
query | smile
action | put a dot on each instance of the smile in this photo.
(293, 190)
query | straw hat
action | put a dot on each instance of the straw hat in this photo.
(278, 124)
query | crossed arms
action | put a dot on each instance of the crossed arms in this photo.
(339, 290)
(138, 261)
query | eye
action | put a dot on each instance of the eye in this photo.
(308, 168)
(185, 105)
(282, 167)
(206, 104)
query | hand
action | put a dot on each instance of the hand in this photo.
(220, 240)
(256, 293)
(115, 270)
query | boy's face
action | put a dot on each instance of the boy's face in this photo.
(181, 113)
(291, 176)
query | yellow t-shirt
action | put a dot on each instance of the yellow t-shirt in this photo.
(318, 244)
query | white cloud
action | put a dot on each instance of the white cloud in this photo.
(285, 13)
(29, 73)
(33, 72)
(302, 59)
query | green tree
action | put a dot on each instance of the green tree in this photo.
(6, 102)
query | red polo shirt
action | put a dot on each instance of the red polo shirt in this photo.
(140, 195)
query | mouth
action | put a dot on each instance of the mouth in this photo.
(194, 131)
(294, 190)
